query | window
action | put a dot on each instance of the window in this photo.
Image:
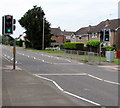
(79, 37)
(73, 36)
(67, 37)
(94, 35)
(87, 38)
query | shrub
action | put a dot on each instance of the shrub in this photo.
(53, 40)
(74, 45)
(110, 48)
(93, 43)
(62, 46)
(11, 43)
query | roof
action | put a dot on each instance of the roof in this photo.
(108, 24)
(67, 32)
(85, 30)
(56, 31)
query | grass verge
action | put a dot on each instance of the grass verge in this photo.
(103, 59)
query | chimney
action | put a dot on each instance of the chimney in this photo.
(89, 28)
(58, 27)
(107, 22)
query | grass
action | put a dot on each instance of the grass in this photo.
(82, 57)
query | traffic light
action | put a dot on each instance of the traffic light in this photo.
(106, 35)
(7, 21)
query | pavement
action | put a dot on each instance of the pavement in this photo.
(20, 88)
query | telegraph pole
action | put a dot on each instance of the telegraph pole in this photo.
(43, 35)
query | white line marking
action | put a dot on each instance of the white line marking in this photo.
(57, 58)
(95, 77)
(58, 86)
(68, 60)
(34, 58)
(82, 98)
(111, 82)
(67, 92)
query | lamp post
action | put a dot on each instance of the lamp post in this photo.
(43, 36)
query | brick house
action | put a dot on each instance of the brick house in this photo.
(85, 34)
(60, 36)
(57, 35)
(96, 32)
(68, 35)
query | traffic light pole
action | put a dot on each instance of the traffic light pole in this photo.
(100, 52)
(14, 54)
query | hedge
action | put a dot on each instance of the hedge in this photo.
(74, 45)
(94, 43)
(110, 48)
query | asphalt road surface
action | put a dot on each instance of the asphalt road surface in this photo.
(93, 84)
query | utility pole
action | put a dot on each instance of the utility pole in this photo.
(43, 35)
(14, 54)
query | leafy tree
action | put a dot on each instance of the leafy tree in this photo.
(32, 21)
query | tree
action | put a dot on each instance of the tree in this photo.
(32, 21)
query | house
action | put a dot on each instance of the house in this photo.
(57, 35)
(96, 32)
(68, 35)
(85, 34)
(60, 36)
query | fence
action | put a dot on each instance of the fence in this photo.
(90, 57)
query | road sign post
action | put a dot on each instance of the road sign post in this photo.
(14, 55)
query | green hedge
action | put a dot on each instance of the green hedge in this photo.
(93, 43)
(74, 45)
(110, 48)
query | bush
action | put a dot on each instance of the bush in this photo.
(74, 45)
(62, 46)
(11, 43)
(53, 40)
(110, 48)
(93, 43)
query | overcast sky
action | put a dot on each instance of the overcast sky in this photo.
(70, 15)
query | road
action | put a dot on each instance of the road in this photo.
(93, 84)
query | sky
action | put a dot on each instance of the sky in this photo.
(69, 15)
